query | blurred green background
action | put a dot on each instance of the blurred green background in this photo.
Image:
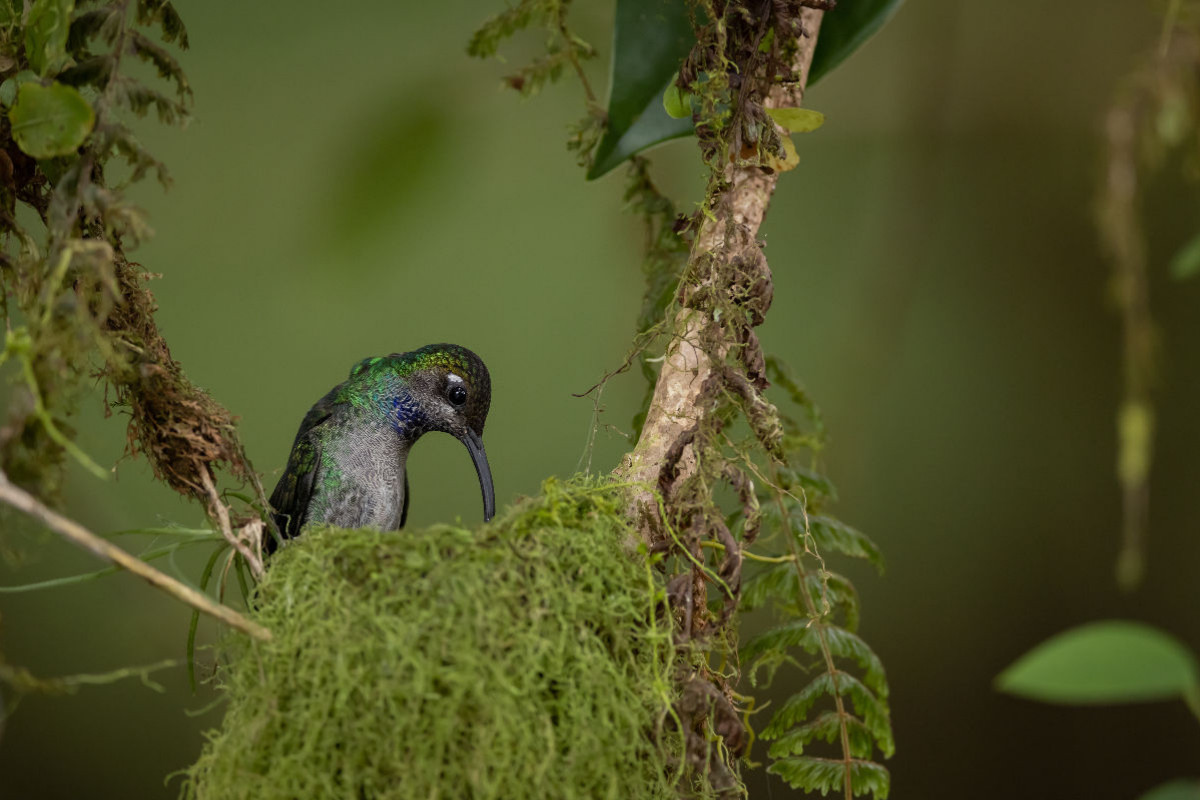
(353, 185)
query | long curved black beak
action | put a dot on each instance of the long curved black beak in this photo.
(474, 443)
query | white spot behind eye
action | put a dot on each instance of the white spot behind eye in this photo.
(454, 378)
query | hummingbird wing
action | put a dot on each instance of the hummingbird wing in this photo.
(295, 488)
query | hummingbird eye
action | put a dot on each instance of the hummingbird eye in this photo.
(457, 395)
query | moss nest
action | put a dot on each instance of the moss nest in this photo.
(521, 659)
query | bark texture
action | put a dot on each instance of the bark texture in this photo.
(664, 454)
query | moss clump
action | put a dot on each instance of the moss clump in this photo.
(519, 660)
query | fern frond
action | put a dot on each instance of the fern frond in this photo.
(139, 98)
(168, 19)
(486, 41)
(873, 711)
(844, 644)
(85, 26)
(826, 775)
(825, 728)
(92, 71)
(530, 79)
(807, 634)
(832, 534)
(138, 157)
(781, 376)
(815, 485)
(840, 593)
(779, 582)
(157, 56)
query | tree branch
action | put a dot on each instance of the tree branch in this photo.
(691, 359)
(21, 500)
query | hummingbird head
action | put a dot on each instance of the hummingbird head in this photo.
(439, 387)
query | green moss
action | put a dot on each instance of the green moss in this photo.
(521, 659)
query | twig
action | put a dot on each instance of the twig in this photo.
(21, 500)
(222, 514)
(569, 44)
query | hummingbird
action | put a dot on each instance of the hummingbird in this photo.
(348, 465)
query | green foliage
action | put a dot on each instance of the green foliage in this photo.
(1175, 790)
(83, 309)
(650, 39)
(563, 47)
(1186, 261)
(832, 535)
(49, 121)
(816, 612)
(729, 57)
(826, 775)
(826, 728)
(61, 99)
(797, 120)
(872, 712)
(1110, 661)
(814, 639)
(676, 103)
(524, 658)
(46, 35)
(845, 29)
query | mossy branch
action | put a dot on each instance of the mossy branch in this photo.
(22, 500)
(735, 210)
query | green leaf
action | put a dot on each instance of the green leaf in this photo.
(808, 635)
(1182, 789)
(151, 11)
(46, 35)
(1104, 662)
(50, 121)
(161, 60)
(814, 484)
(828, 775)
(781, 584)
(8, 89)
(845, 29)
(872, 711)
(10, 12)
(797, 120)
(834, 535)
(826, 728)
(839, 592)
(676, 103)
(1186, 262)
(777, 582)
(650, 40)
